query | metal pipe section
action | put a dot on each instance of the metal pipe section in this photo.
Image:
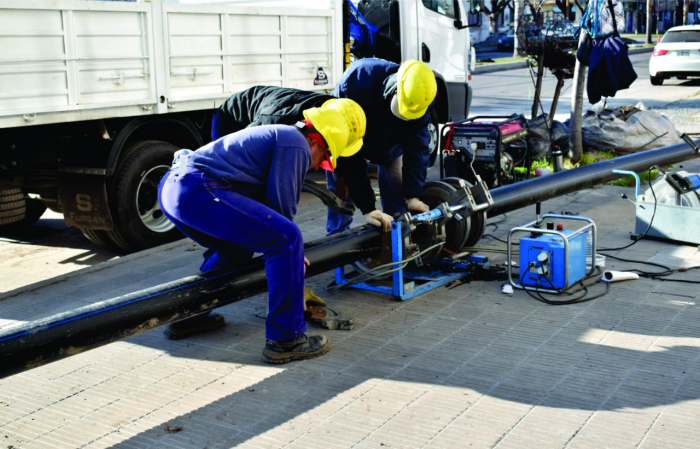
(524, 193)
(49, 339)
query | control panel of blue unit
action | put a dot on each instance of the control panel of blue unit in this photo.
(543, 260)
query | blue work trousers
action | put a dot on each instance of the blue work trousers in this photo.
(235, 227)
(393, 202)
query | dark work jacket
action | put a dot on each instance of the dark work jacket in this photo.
(263, 105)
(386, 137)
(610, 68)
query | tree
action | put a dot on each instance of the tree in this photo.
(518, 12)
(575, 136)
(496, 9)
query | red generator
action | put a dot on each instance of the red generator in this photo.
(487, 146)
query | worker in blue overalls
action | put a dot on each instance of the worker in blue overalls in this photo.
(397, 101)
(267, 105)
(238, 195)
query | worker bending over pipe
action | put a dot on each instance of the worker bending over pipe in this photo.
(238, 195)
(398, 101)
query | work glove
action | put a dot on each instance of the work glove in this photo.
(417, 205)
(379, 219)
(311, 299)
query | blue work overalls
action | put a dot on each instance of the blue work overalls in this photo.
(237, 196)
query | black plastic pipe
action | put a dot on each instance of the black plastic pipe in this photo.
(516, 196)
(49, 339)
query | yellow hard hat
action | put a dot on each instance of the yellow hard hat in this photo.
(356, 120)
(416, 89)
(342, 124)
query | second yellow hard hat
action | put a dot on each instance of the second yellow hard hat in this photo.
(416, 89)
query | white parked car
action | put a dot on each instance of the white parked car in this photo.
(677, 55)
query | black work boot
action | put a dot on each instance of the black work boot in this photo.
(195, 325)
(302, 347)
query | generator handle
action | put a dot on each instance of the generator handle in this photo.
(507, 119)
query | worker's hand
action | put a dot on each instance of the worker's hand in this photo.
(306, 264)
(417, 205)
(379, 219)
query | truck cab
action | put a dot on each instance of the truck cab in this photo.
(434, 32)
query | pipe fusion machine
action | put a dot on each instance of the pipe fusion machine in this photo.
(425, 247)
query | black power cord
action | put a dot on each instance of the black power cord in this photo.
(650, 221)
(582, 298)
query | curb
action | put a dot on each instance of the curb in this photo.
(498, 66)
(637, 50)
(99, 267)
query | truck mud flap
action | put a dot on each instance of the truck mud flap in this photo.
(83, 198)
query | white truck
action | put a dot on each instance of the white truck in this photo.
(95, 97)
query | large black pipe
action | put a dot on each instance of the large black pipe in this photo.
(49, 339)
(521, 194)
(39, 342)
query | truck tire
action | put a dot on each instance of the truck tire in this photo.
(34, 209)
(12, 205)
(139, 222)
(101, 238)
(433, 130)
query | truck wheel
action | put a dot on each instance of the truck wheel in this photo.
(433, 128)
(139, 223)
(34, 209)
(12, 205)
(101, 238)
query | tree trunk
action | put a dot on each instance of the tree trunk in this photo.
(517, 15)
(648, 41)
(493, 22)
(575, 136)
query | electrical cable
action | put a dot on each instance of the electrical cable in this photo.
(658, 276)
(496, 223)
(653, 214)
(496, 238)
(364, 276)
(582, 298)
(488, 249)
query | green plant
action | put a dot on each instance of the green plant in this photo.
(629, 181)
(521, 172)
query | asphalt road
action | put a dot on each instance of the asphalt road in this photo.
(512, 91)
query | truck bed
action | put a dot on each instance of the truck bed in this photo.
(65, 60)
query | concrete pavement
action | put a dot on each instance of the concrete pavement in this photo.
(460, 367)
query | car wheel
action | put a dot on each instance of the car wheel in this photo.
(434, 143)
(139, 223)
(656, 80)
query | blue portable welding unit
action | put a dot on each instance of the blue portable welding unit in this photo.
(552, 260)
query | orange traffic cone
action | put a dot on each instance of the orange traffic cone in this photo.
(658, 39)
